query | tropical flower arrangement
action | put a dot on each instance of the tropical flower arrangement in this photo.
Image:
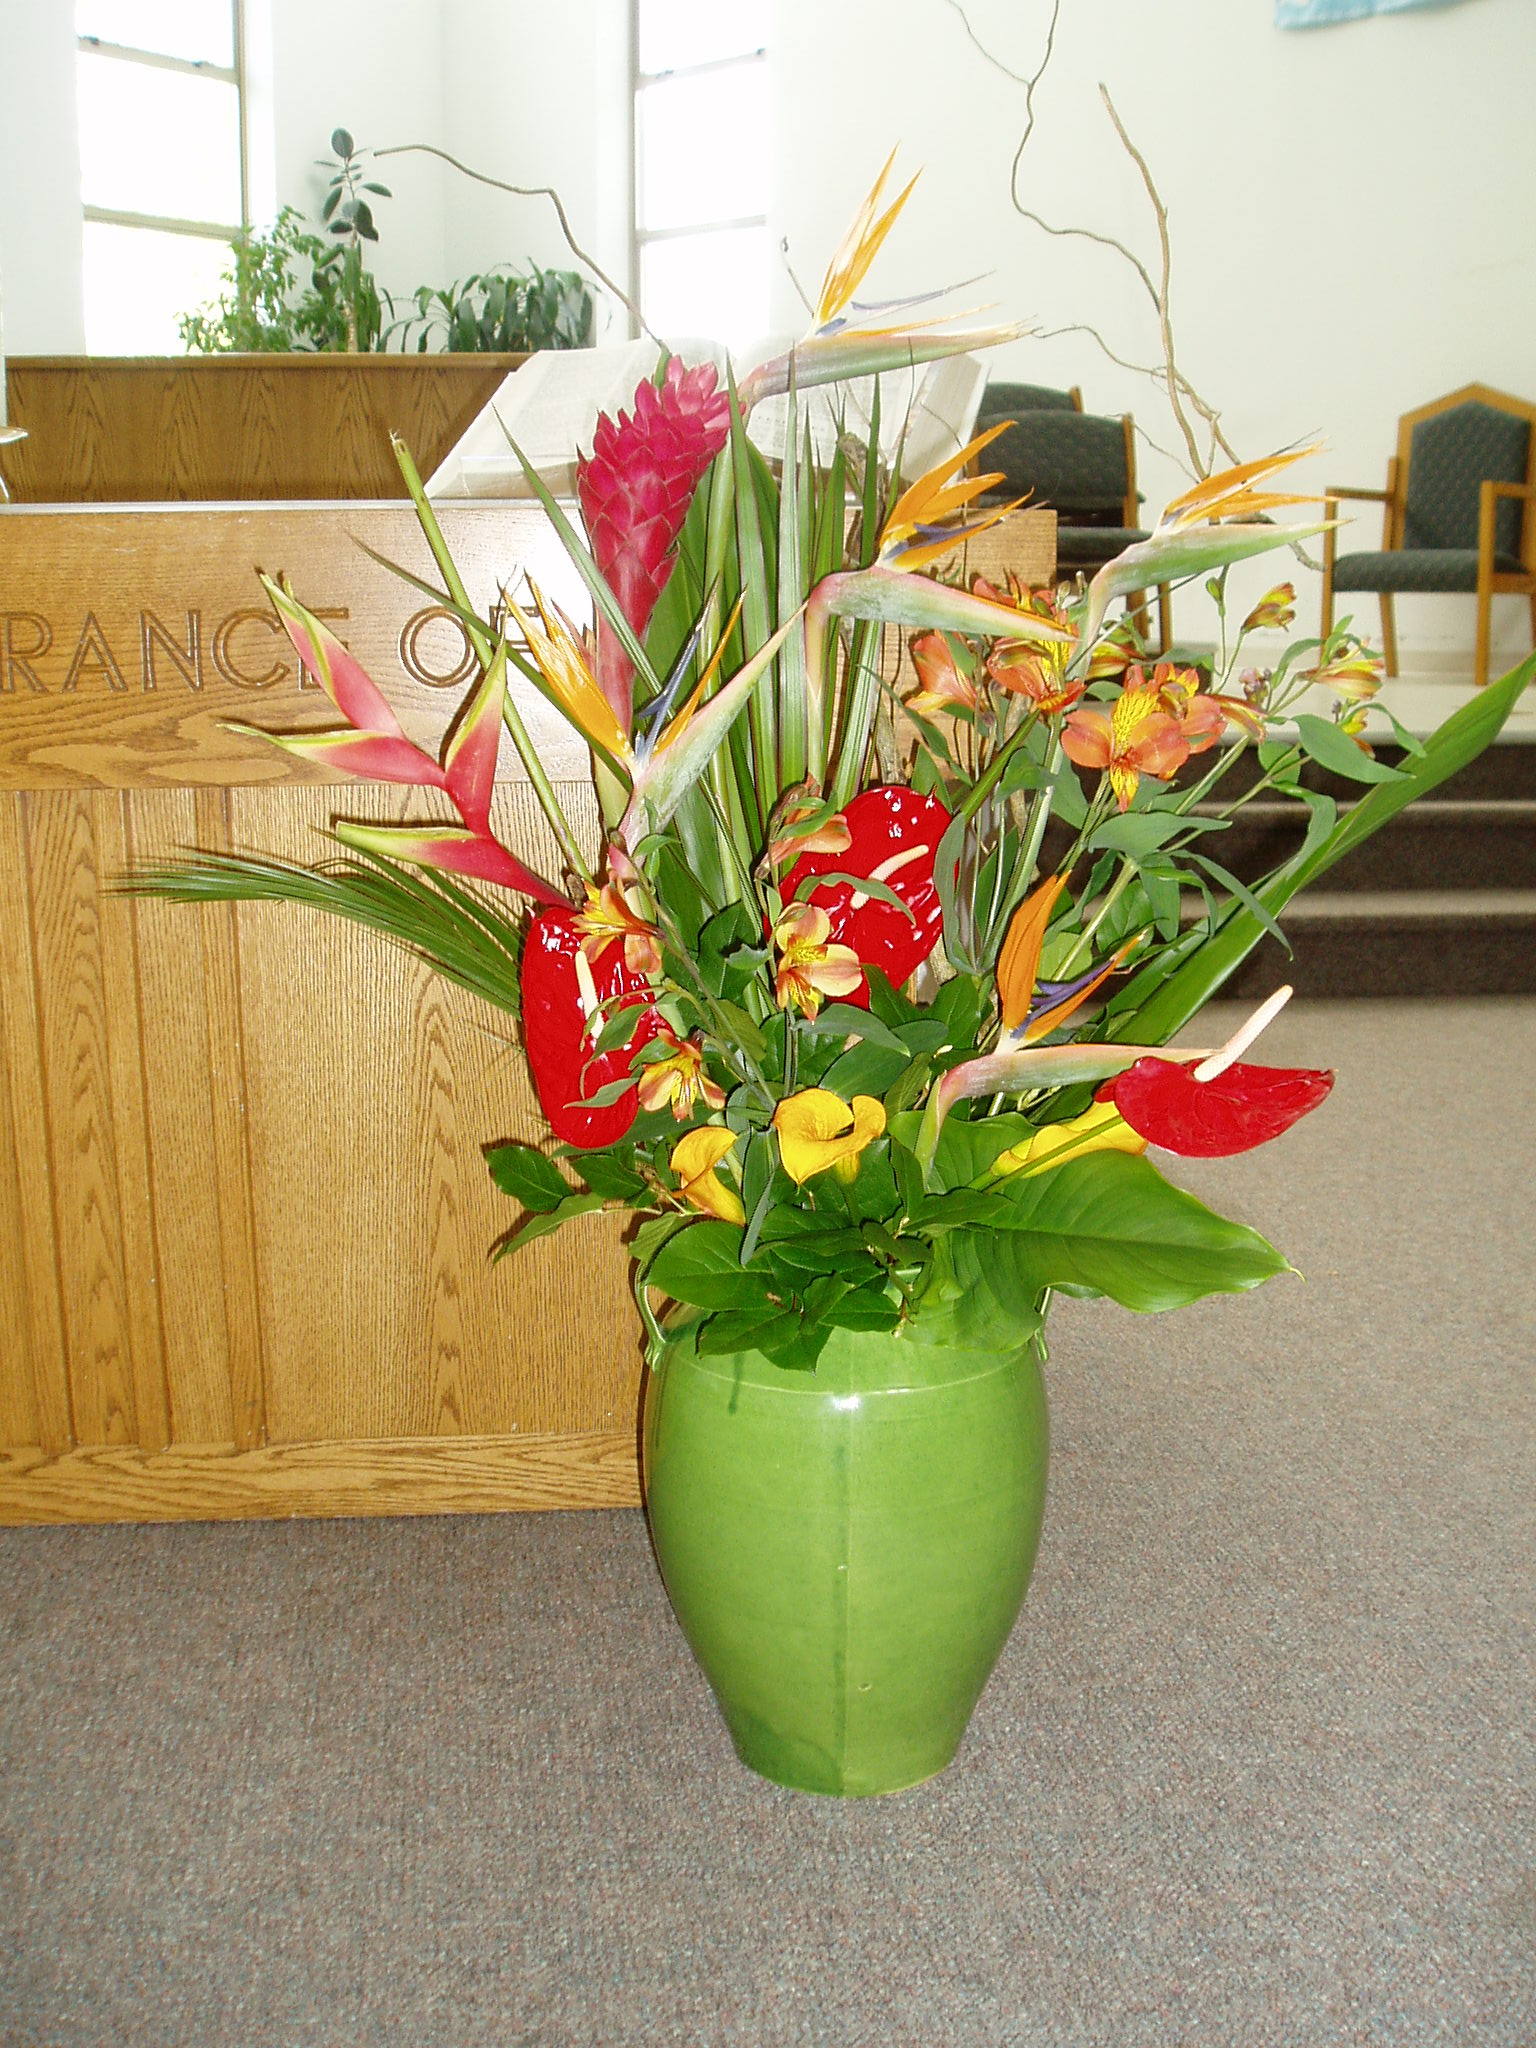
(868, 1004)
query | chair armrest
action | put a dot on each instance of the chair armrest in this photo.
(1344, 491)
(1488, 496)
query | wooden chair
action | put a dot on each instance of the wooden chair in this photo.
(1084, 465)
(1454, 515)
(1005, 401)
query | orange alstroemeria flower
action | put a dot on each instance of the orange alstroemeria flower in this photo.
(606, 917)
(1136, 737)
(803, 826)
(693, 1159)
(1040, 673)
(945, 690)
(810, 968)
(1354, 673)
(1203, 715)
(678, 1081)
(1275, 609)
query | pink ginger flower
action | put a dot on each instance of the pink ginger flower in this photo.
(635, 489)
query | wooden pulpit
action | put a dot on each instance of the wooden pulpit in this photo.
(245, 1223)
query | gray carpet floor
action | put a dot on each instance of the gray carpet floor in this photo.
(1256, 1768)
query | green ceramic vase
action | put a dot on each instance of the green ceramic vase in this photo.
(847, 1550)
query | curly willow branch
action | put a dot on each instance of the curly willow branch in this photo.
(1183, 399)
(535, 192)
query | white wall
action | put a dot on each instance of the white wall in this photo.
(537, 95)
(40, 230)
(378, 71)
(1353, 209)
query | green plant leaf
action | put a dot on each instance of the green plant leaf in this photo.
(700, 1265)
(1155, 1003)
(527, 1176)
(610, 1175)
(538, 1226)
(1336, 751)
(1110, 1221)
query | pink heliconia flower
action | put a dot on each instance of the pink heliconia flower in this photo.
(635, 489)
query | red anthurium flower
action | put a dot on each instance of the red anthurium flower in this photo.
(893, 837)
(635, 489)
(566, 999)
(1235, 1110)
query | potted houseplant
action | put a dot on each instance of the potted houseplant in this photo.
(872, 1014)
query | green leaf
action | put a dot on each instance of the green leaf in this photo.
(1155, 1004)
(744, 1329)
(966, 1149)
(1336, 751)
(701, 1265)
(527, 1176)
(1110, 1221)
(541, 1226)
(610, 1175)
(1137, 832)
(651, 1235)
(846, 1020)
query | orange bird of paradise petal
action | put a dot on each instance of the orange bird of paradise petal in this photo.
(1053, 1019)
(1226, 495)
(860, 246)
(1018, 963)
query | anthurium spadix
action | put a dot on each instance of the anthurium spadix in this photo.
(1208, 527)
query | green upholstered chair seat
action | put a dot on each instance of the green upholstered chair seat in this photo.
(1414, 569)
(1080, 547)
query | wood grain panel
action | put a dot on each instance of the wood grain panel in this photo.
(130, 639)
(428, 1076)
(474, 1475)
(64, 860)
(239, 427)
(203, 1325)
(113, 824)
(35, 1407)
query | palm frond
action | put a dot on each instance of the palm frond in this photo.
(455, 931)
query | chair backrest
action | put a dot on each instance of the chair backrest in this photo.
(1077, 462)
(1003, 401)
(1446, 451)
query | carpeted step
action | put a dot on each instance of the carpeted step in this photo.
(1349, 943)
(1489, 845)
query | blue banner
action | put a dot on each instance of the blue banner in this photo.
(1318, 13)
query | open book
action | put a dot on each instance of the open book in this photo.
(550, 406)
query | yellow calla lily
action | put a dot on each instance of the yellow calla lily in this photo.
(693, 1159)
(1100, 1128)
(817, 1129)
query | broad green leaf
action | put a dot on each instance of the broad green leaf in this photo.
(527, 1176)
(541, 1226)
(1110, 1221)
(1336, 751)
(610, 1175)
(700, 1265)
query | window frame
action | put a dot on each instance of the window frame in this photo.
(641, 238)
(187, 67)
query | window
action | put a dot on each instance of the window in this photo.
(701, 252)
(162, 163)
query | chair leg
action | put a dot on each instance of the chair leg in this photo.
(1389, 633)
(1165, 616)
(1484, 618)
(1136, 611)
